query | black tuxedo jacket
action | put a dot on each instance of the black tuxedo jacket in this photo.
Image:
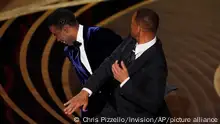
(143, 94)
(99, 43)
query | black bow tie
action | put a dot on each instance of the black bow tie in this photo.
(77, 44)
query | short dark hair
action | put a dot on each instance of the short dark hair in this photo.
(147, 19)
(61, 17)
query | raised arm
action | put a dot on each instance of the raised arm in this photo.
(94, 82)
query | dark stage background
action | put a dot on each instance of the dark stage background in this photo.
(32, 65)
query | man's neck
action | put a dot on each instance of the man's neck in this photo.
(146, 37)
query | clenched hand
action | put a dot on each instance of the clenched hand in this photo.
(119, 73)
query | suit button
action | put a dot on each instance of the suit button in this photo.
(121, 93)
(100, 91)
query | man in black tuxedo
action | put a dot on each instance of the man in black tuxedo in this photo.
(138, 70)
(86, 48)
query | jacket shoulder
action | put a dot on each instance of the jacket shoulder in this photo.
(101, 30)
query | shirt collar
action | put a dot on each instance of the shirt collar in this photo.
(145, 46)
(79, 37)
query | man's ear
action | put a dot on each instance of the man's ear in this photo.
(139, 28)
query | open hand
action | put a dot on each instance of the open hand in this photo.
(77, 101)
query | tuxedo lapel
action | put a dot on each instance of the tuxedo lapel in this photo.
(85, 36)
(87, 32)
(140, 61)
(126, 50)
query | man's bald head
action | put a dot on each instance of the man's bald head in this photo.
(147, 19)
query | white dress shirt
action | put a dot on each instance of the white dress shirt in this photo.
(139, 50)
(83, 56)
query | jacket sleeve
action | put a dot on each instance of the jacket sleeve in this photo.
(104, 72)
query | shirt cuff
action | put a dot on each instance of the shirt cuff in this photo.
(88, 91)
(124, 81)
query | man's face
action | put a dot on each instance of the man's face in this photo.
(62, 35)
(134, 27)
